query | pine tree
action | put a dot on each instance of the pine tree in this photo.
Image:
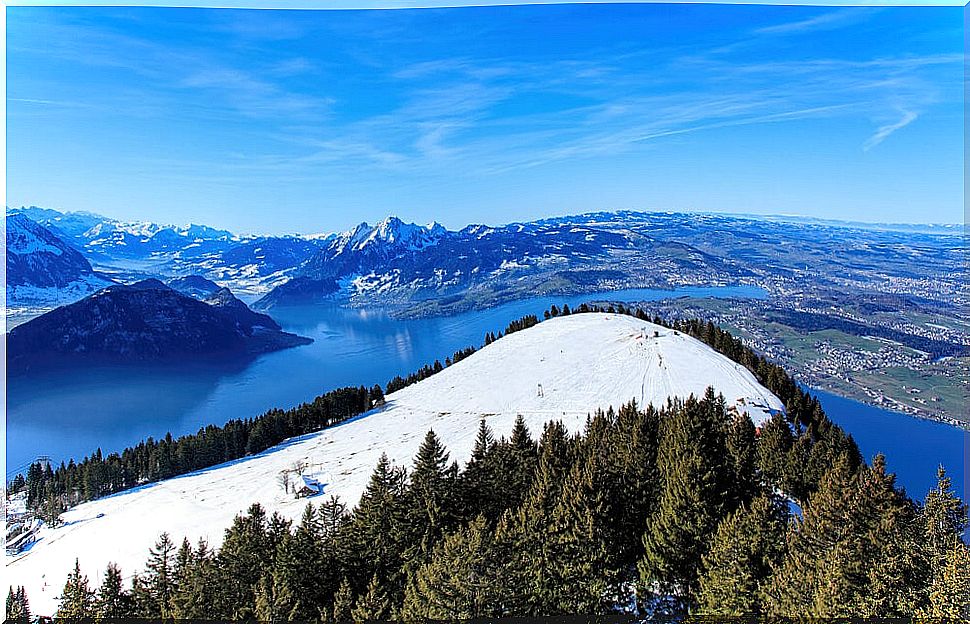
(379, 527)
(18, 610)
(896, 571)
(275, 601)
(374, 604)
(297, 581)
(742, 458)
(691, 502)
(944, 519)
(516, 463)
(579, 570)
(77, 599)
(774, 445)
(459, 581)
(265, 610)
(949, 594)
(301, 574)
(195, 596)
(182, 567)
(521, 536)
(813, 561)
(854, 553)
(159, 576)
(343, 603)
(746, 547)
(633, 480)
(431, 502)
(112, 601)
(240, 564)
(477, 482)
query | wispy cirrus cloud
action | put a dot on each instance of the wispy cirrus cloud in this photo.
(385, 104)
(884, 131)
(167, 72)
(829, 20)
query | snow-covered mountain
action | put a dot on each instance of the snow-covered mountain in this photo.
(365, 246)
(102, 238)
(563, 368)
(394, 262)
(130, 251)
(41, 267)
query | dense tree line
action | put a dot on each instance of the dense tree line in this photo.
(50, 491)
(658, 511)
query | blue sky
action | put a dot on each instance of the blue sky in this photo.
(308, 121)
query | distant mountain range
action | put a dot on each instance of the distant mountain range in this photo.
(432, 269)
(145, 322)
(42, 267)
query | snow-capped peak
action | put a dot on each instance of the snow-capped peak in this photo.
(391, 233)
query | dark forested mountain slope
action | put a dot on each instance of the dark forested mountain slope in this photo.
(144, 322)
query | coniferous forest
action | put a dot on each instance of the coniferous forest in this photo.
(655, 510)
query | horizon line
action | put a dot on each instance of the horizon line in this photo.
(847, 223)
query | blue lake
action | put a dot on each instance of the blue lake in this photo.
(913, 447)
(66, 416)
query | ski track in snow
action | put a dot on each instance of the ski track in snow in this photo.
(583, 362)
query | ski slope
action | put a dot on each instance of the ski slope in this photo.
(563, 368)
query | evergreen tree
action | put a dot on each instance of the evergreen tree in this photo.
(275, 601)
(375, 604)
(430, 510)
(944, 519)
(775, 442)
(77, 599)
(343, 603)
(516, 463)
(949, 594)
(746, 547)
(18, 610)
(479, 479)
(459, 581)
(633, 479)
(241, 563)
(159, 576)
(301, 574)
(576, 543)
(379, 528)
(742, 457)
(112, 601)
(521, 536)
(854, 552)
(896, 572)
(691, 501)
(195, 595)
(182, 568)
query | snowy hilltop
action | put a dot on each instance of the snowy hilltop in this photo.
(561, 369)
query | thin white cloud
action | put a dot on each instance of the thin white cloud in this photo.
(825, 21)
(884, 131)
